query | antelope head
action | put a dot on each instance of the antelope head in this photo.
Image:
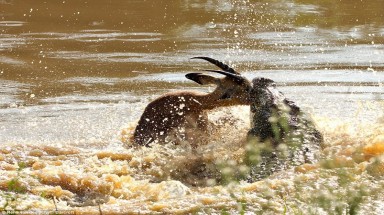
(233, 89)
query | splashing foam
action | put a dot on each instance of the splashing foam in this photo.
(197, 165)
(172, 178)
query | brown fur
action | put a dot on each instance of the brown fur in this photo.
(182, 113)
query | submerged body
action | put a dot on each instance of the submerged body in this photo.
(281, 133)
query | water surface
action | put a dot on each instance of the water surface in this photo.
(77, 73)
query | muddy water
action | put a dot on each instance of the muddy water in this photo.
(74, 75)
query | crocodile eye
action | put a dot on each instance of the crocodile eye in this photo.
(225, 96)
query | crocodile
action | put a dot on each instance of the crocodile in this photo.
(281, 134)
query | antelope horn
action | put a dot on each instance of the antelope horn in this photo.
(236, 77)
(219, 64)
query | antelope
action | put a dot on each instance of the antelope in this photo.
(178, 112)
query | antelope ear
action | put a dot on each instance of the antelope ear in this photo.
(201, 78)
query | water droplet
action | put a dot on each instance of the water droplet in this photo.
(211, 25)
